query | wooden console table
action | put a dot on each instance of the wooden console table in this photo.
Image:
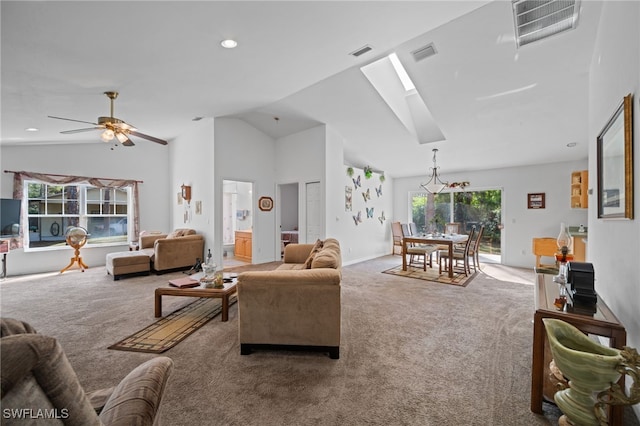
(602, 323)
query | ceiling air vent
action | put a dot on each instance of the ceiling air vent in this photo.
(424, 52)
(538, 19)
(361, 51)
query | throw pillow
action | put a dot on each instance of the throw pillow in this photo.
(327, 258)
(316, 248)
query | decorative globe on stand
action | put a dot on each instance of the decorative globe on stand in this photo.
(76, 237)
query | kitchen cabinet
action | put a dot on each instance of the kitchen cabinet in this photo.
(243, 245)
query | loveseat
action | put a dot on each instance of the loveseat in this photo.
(39, 385)
(169, 252)
(296, 306)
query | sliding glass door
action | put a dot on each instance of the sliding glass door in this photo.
(430, 212)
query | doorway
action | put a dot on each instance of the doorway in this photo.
(289, 214)
(314, 212)
(237, 222)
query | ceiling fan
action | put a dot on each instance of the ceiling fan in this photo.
(113, 127)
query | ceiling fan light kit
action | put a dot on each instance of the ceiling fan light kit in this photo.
(112, 127)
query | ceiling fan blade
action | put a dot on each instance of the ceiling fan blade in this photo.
(68, 132)
(71, 119)
(151, 138)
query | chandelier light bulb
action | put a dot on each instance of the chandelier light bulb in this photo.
(121, 137)
(107, 135)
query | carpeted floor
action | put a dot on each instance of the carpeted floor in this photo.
(413, 352)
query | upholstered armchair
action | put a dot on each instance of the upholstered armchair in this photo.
(177, 250)
(39, 383)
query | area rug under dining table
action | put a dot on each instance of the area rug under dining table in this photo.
(430, 274)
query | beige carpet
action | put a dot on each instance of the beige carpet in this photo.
(413, 352)
(431, 274)
(168, 331)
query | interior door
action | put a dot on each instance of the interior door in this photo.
(313, 212)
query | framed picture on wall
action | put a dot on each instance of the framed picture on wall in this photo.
(265, 204)
(615, 164)
(535, 200)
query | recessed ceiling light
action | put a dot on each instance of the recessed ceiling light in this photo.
(572, 144)
(31, 129)
(228, 43)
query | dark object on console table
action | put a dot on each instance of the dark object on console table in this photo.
(581, 278)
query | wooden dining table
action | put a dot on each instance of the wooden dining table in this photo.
(448, 240)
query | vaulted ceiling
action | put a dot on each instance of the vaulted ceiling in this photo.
(497, 105)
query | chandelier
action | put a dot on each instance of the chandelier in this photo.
(434, 185)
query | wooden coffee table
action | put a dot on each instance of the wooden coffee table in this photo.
(219, 293)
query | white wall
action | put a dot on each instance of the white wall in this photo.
(300, 158)
(615, 244)
(243, 153)
(146, 161)
(370, 238)
(520, 223)
(191, 157)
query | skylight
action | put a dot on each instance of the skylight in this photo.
(402, 73)
(389, 77)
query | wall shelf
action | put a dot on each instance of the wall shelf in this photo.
(579, 188)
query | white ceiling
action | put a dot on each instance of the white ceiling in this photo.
(496, 105)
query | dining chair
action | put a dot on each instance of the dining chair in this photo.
(474, 249)
(406, 232)
(396, 231)
(418, 252)
(452, 228)
(458, 255)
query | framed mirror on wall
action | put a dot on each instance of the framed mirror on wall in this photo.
(615, 164)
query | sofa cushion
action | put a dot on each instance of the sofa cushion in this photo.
(291, 267)
(315, 250)
(328, 256)
(181, 232)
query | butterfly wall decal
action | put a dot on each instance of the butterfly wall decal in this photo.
(379, 191)
(382, 218)
(356, 182)
(369, 212)
(358, 218)
(366, 195)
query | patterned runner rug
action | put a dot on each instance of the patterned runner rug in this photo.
(431, 274)
(167, 332)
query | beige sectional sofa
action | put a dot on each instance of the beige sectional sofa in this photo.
(296, 305)
(169, 252)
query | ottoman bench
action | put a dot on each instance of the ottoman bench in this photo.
(128, 263)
